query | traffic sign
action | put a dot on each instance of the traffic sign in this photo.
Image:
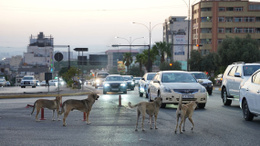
(58, 56)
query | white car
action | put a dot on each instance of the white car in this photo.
(169, 85)
(28, 81)
(144, 82)
(250, 97)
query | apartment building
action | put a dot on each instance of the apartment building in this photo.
(214, 20)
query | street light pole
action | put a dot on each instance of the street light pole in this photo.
(130, 41)
(150, 28)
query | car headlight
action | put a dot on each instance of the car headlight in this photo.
(132, 83)
(106, 85)
(203, 90)
(97, 81)
(123, 85)
(165, 89)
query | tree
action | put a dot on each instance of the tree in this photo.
(152, 57)
(174, 66)
(68, 76)
(195, 60)
(128, 59)
(140, 58)
(162, 49)
(238, 49)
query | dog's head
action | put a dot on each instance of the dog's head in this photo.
(59, 98)
(94, 95)
(158, 101)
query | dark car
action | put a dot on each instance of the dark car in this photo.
(130, 82)
(114, 83)
(203, 80)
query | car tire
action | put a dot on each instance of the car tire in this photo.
(210, 92)
(248, 116)
(125, 92)
(104, 92)
(149, 96)
(201, 105)
(224, 96)
(141, 94)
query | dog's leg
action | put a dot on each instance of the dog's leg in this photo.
(65, 116)
(137, 118)
(182, 120)
(37, 112)
(191, 123)
(183, 128)
(178, 116)
(53, 111)
(58, 115)
(155, 121)
(150, 116)
(143, 117)
(87, 118)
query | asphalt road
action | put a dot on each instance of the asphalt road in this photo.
(114, 125)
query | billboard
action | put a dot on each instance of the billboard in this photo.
(181, 40)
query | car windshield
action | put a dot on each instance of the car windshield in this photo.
(150, 76)
(250, 69)
(28, 78)
(2, 80)
(127, 78)
(137, 78)
(102, 75)
(178, 77)
(200, 76)
(114, 78)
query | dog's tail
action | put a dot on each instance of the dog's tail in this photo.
(132, 106)
(33, 107)
(180, 102)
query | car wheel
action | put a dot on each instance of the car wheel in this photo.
(146, 95)
(225, 96)
(248, 116)
(210, 92)
(201, 105)
(149, 96)
(104, 92)
(125, 92)
(140, 94)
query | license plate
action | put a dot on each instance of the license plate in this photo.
(114, 89)
(187, 96)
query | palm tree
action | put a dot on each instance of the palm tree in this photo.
(162, 49)
(140, 58)
(127, 59)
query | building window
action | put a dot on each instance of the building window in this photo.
(229, 19)
(238, 19)
(257, 19)
(206, 19)
(230, 9)
(221, 30)
(221, 9)
(249, 19)
(238, 30)
(221, 19)
(205, 30)
(205, 41)
(257, 30)
(238, 8)
(205, 9)
(220, 41)
(254, 7)
(228, 30)
(248, 30)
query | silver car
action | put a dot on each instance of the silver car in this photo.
(170, 85)
(114, 83)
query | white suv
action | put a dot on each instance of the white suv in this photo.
(28, 81)
(234, 77)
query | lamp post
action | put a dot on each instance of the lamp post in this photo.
(130, 41)
(150, 28)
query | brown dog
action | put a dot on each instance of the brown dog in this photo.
(151, 108)
(50, 104)
(185, 111)
(81, 105)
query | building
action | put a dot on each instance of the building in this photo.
(214, 20)
(175, 32)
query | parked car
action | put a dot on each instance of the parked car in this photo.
(7, 83)
(99, 79)
(53, 82)
(2, 82)
(218, 79)
(43, 83)
(37, 83)
(234, 77)
(114, 83)
(136, 80)
(250, 97)
(203, 80)
(170, 85)
(28, 81)
(130, 82)
(144, 82)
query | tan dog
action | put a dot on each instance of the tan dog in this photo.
(50, 104)
(151, 108)
(185, 111)
(81, 105)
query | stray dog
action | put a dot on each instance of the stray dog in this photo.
(84, 105)
(185, 111)
(50, 104)
(151, 108)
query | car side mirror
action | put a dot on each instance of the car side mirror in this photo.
(143, 79)
(156, 81)
(237, 74)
